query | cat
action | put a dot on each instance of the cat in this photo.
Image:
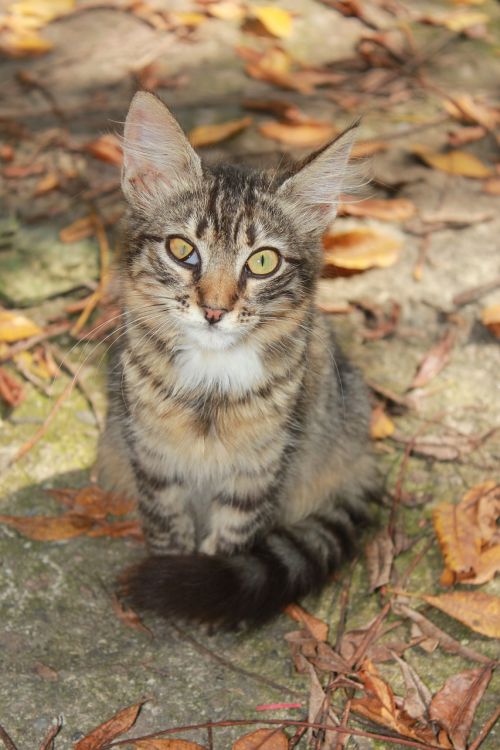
(234, 417)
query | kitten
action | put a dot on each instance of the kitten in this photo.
(233, 416)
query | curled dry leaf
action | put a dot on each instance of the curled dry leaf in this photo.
(379, 559)
(49, 528)
(460, 541)
(300, 134)
(394, 209)
(207, 135)
(11, 391)
(164, 743)
(490, 317)
(361, 248)
(314, 625)
(106, 148)
(117, 530)
(93, 501)
(418, 696)
(465, 108)
(381, 425)
(104, 733)
(14, 326)
(477, 610)
(274, 66)
(262, 739)
(276, 21)
(453, 162)
(454, 706)
(434, 361)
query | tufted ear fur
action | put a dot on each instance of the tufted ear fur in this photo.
(315, 187)
(156, 153)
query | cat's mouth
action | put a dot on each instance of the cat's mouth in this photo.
(213, 337)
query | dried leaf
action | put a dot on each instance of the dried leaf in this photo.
(262, 739)
(14, 326)
(276, 21)
(379, 558)
(395, 209)
(468, 134)
(456, 21)
(381, 425)
(361, 248)
(109, 730)
(434, 361)
(454, 706)
(477, 610)
(11, 391)
(207, 135)
(18, 171)
(361, 149)
(490, 317)
(283, 109)
(117, 530)
(418, 696)
(226, 10)
(47, 183)
(106, 148)
(49, 528)
(274, 66)
(465, 108)
(487, 567)
(94, 502)
(191, 19)
(78, 229)
(460, 540)
(453, 162)
(163, 743)
(301, 135)
(24, 43)
(492, 186)
(314, 625)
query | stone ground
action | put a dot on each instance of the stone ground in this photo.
(63, 649)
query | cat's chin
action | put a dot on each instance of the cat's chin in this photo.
(213, 339)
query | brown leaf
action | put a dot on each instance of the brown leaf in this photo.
(109, 730)
(361, 248)
(106, 148)
(14, 326)
(463, 136)
(129, 618)
(475, 609)
(11, 391)
(459, 539)
(490, 317)
(164, 743)
(94, 502)
(262, 739)
(117, 530)
(457, 21)
(394, 209)
(207, 135)
(362, 149)
(418, 696)
(47, 183)
(381, 425)
(48, 528)
(314, 625)
(16, 171)
(281, 108)
(274, 66)
(453, 162)
(300, 134)
(434, 360)
(492, 186)
(379, 559)
(453, 707)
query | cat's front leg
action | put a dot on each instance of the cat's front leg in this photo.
(163, 504)
(236, 520)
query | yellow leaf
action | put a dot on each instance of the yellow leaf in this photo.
(381, 425)
(458, 537)
(262, 739)
(477, 610)
(456, 21)
(23, 44)
(207, 135)
(361, 248)
(189, 18)
(453, 162)
(490, 317)
(298, 134)
(14, 326)
(276, 21)
(487, 567)
(227, 10)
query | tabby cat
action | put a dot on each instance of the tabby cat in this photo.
(233, 416)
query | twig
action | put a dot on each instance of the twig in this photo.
(21, 346)
(370, 636)
(210, 738)
(202, 649)
(475, 292)
(344, 604)
(104, 255)
(341, 740)
(7, 740)
(48, 741)
(422, 256)
(282, 723)
(485, 730)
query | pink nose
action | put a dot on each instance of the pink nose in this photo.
(212, 314)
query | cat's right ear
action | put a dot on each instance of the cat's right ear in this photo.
(156, 153)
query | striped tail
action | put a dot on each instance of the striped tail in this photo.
(253, 586)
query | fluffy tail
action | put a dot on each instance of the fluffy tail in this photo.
(253, 586)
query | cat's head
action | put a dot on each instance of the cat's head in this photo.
(221, 253)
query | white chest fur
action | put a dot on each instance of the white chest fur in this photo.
(237, 369)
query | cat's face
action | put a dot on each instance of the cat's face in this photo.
(219, 255)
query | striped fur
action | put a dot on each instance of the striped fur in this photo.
(245, 442)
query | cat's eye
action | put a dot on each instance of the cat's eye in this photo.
(183, 251)
(263, 262)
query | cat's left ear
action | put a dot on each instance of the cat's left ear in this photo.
(316, 186)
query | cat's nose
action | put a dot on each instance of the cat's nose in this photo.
(212, 314)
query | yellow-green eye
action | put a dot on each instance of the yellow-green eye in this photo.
(181, 250)
(263, 262)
